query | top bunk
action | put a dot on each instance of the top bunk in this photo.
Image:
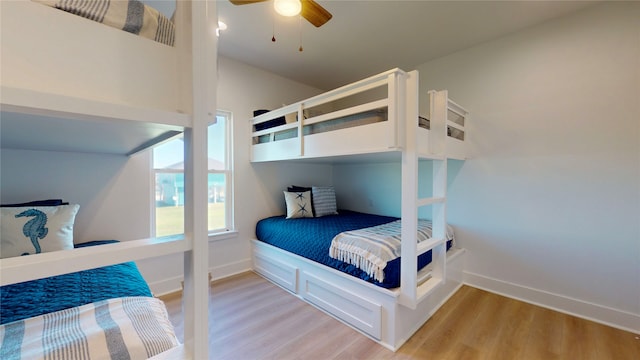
(372, 117)
(120, 91)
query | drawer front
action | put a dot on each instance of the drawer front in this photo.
(277, 271)
(353, 309)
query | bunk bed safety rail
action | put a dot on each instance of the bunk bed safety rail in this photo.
(373, 101)
(354, 88)
(341, 92)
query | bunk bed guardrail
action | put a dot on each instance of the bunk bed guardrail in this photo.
(362, 117)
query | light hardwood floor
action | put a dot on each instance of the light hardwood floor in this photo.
(250, 318)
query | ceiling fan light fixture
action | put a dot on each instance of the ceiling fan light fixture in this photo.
(287, 7)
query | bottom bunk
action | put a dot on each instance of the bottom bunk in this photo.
(353, 297)
(107, 312)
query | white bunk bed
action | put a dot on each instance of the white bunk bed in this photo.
(383, 123)
(71, 84)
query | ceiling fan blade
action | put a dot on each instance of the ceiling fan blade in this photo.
(245, 2)
(314, 13)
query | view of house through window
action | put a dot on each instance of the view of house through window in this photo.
(168, 166)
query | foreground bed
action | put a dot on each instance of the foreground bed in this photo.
(107, 312)
(71, 84)
(37, 297)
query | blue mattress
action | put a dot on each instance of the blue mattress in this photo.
(311, 238)
(37, 297)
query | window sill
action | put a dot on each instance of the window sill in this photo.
(224, 235)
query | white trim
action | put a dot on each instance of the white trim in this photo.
(583, 309)
(173, 284)
(223, 235)
(231, 269)
(166, 286)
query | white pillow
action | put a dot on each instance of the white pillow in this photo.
(36, 229)
(298, 204)
(324, 201)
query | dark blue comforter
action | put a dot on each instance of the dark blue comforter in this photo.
(37, 297)
(311, 238)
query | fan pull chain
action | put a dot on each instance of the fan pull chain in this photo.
(273, 29)
(300, 27)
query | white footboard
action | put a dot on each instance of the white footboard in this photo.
(372, 310)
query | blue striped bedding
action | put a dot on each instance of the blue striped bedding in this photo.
(311, 238)
(121, 328)
(37, 297)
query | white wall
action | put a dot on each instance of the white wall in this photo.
(548, 205)
(258, 187)
(101, 184)
(114, 192)
(242, 89)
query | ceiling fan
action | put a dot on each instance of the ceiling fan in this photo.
(309, 9)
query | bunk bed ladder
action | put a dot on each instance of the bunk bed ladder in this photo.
(415, 286)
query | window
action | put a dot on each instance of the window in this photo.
(168, 168)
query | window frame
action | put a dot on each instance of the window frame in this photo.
(229, 219)
(228, 172)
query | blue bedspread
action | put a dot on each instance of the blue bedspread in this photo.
(37, 297)
(311, 238)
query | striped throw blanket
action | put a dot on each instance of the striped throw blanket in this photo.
(121, 328)
(128, 15)
(370, 249)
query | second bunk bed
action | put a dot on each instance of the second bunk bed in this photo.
(72, 85)
(377, 119)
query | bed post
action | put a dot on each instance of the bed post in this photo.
(409, 207)
(203, 64)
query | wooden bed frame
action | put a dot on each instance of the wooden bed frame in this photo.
(388, 316)
(121, 94)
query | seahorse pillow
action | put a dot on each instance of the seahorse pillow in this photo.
(36, 229)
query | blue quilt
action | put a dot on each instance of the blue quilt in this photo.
(37, 297)
(311, 238)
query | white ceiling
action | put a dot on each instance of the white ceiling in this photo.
(368, 37)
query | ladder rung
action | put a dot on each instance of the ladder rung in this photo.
(431, 200)
(427, 287)
(427, 245)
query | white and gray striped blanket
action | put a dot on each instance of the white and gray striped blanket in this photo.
(370, 249)
(128, 15)
(121, 328)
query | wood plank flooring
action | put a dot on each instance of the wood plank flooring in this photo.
(250, 318)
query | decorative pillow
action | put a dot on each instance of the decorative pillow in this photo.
(49, 202)
(324, 201)
(298, 204)
(268, 124)
(295, 188)
(36, 229)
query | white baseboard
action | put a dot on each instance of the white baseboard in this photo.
(166, 286)
(221, 272)
(173, 284)
(579, 308)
